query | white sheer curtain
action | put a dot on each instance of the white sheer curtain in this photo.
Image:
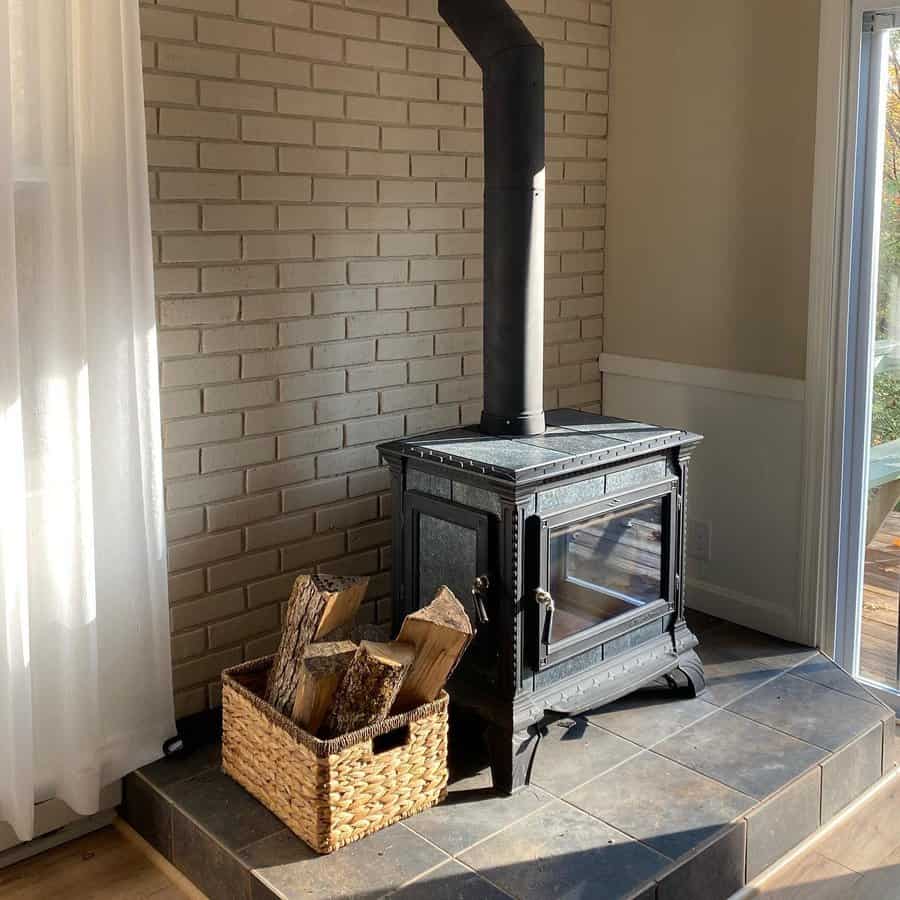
(85, 679)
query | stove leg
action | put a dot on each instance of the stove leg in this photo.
(512, 754)
(690, 666)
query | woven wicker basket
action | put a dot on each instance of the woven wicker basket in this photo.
(330, 793)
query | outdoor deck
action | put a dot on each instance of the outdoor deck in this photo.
(878, 651)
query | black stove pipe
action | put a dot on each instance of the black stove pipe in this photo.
(512, 62)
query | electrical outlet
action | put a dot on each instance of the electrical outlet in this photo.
(698, 539)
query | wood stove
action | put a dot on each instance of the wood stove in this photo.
(564, 532)
(568, 549)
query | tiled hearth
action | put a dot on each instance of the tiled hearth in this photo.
(780, 742)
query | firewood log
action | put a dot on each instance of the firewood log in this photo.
(318, 605)
(370, 686)
(440, 632)
(323, 666)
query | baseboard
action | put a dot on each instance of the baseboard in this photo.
(742, 609)
(76, 829)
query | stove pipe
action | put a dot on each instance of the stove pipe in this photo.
(512, 62)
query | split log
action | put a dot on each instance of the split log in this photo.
(318, 605)
(323, 666)
(440, 632)
(370, 686)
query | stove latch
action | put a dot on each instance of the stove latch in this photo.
(545, 599)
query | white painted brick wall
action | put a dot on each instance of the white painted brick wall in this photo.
(315, 172)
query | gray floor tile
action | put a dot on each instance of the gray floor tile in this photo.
(206, 863)
(647, 718)
(662, 803)
(809, 711)
(368, 868)
(783, 821)
(472, 811)
(742, 643)
(701, 622)
(563, 852)
(729, 677)
(572, 752)
(148, 812)
(850, 771)
(743, 754)
(713, 872)
(451, 881)
(224, 808)
(165, 772)
(826, 672)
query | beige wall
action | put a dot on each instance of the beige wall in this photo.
(315, 171)
(710, 186)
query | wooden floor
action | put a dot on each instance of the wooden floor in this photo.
(104, 865)
(878, 649)
(858, 860)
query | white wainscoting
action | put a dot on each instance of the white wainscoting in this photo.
(745, 480)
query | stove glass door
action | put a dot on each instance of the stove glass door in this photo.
(606, 566)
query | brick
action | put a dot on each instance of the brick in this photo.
(312, 331)
(240, 512)
(342, 461)
(339, 246)
(312, 384)
(368, 377)
(341, 516)
(397, 7)
(241, 627)
(255, 67)
(284, 12)
(405, 347)
(451, 294)
(178, 343)
(184, 523)
(310, 440)
(460, 390)
(285, 530)
(199, 185)
(457, 342)
(407, 191)
(405, 297)
(216, 279)
(435, 218)
(187, 584)
(407, 245)
(435, 270)
(174, 217)
(308, 44)
(213, 310)
(225, 7)
(377, 217)
(266, 477)
(440, 367)
(238, 217)
(408, 32)
(409, 138)
(180, 403)
(163, 24)
(244, 157)
(237, 95)
(344, 190)
(312, 161)
(277, 246)
(275, 362)
(276, 130)
(276, 187)
(382, 271)
(315, 494)
(310, 103)
(407, 397)
(200, 248)
(452, 90)
(205, 489)
(205, 669)
(196, 60)
(424, 9)
(435, 62)
(239, 396)
(237, 454)
(432, 419)
(176, 373)
(179, 463)
(375, 55)
(245, 568)
(380, 164)
(366, 536)
(591, 125)
(410, 87)
(239, 337)
(438, 114)
(312, 217)
(309, 274)
(229, 33)
(341, 21)
(438, 166)
(313, 551)
(170, 89)
(282, 417)
(460, 192)
(373, 481)
(440, 319)
(343, 353)
(340, 134)
(376, 323)
(196, 552)
(353, 300)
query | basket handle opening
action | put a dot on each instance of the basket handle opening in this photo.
(399, 737)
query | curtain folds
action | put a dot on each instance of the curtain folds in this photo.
(85, 675)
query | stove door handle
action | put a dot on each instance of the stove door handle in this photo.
(480, 588)
(545, 599)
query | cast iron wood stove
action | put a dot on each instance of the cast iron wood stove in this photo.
(564, 533)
